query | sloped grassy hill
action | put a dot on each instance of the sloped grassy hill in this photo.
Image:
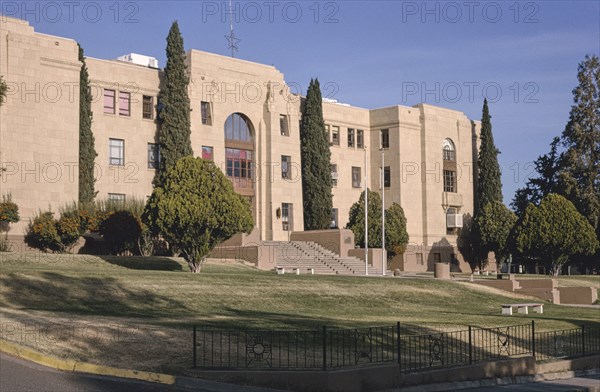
(162, 291)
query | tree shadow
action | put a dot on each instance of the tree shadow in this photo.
(51, 291)
(465, 243)
(235, 318)
(142, 263)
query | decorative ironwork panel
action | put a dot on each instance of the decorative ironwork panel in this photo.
(363, 346)
(258, 349)
(436, 349)
(504, 341)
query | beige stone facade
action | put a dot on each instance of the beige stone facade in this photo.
(39, 133)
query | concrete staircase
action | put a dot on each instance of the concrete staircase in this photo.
(307, 255)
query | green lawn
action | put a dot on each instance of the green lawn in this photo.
(162, 299)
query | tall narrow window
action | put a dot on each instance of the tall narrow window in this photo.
(355, 177)
(335, 135)
(109, 101)
(286, 170)
(334, 218)
(153, 156)
(148, 107)
(116, 148)
(360, 138)
(449, 156)
(205, 111)
(449, 181)
(283, 125)
(287, 213)
(207, 153)
(385, 138)
(124, 104)
(387, 178)
(350, 137)
(334, 174)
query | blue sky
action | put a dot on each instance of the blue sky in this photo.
(522, 55)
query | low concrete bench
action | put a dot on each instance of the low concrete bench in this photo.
(280, 270)
(522, 308)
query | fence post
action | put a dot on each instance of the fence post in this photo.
(533, 337)
(194, 348)
(470, 346)
(583, 340)
(398, 343)
(324, 347)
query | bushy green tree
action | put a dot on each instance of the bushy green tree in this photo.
(42, 233)
(396, 235)
(68, 228)
(3, 88)
(196, 209)
(87, 151)
(356, 220)
(174, 106)
(9, 213)
(544, 183)
(316, 162)
(553, 231)
(581, 139)
(121, 231)
(9, 210)
(495, 223)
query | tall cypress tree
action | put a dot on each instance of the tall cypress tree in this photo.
(489, 183)
(174, 103)
(87, 152)
(3, 88)
(316, 162)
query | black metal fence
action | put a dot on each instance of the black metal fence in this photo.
(568, 343)
(339, 348)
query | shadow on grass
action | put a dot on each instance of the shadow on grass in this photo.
(154, 263)
(233, 318)
(84, 295)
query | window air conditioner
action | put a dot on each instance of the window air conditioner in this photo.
(454, 221)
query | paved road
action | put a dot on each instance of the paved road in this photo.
(17, 375)
(591, 384)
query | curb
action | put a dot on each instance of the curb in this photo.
(83, 367)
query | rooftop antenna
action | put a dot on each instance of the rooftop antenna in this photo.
(231, 38)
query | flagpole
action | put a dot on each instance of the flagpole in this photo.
(366, 215)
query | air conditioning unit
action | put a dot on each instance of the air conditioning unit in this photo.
(454, 221)
(334, 175)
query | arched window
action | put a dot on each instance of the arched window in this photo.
(237, 127)
(449, 150)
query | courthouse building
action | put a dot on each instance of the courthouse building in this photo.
(246, 120)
